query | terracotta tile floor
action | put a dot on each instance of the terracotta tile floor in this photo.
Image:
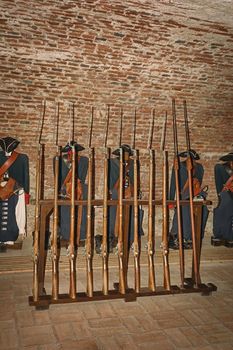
(188, 321)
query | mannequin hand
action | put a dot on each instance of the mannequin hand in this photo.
(27, 198)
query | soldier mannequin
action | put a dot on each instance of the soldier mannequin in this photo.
(81, 172)
(223, 213)
(185, 209)
(13, 198)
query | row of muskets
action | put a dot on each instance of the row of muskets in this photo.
(121, 201)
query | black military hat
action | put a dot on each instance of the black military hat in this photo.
(125, 147)
(8, 144)
(68, 147)
(227, 158)
(192, 153)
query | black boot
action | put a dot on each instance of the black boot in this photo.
(173, 243)
(98, 243)
(112, 244)
(216, 241)
(228, 244)
(3, 248)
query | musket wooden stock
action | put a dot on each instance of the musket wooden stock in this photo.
(72, 243)
(136, 231)
(122, 278)
(176, 167)
(167, 284)
(37, 224)
(189, 165)
(105, 225)
(150, 249)
(89, 250)
(54, 246)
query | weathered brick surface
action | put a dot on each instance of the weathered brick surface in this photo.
(122, 53)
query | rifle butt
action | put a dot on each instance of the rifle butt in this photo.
(55, 278)
(35, 279)
(72, 292)
(105, 274)
(151, 281)
(121, 276)
(167, 282)
(137, 273)
(89, 277)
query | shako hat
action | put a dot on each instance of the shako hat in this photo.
(227, 158)
(125, 147)
(8, 144)
(68, 147)
(192, 153)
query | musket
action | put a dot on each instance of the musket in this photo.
(120, 127)
(71, 122)
(105, 212)
(89, 249)
(54, 245)
(176, 166)
(72, 250)
(165, 226)
(134, 128)
(189, 165)
(119, 145)
(136, 230)
(37, 209)
(119, 213)
(122, 278)
(164, 133)
(136, 249)
(150, 245)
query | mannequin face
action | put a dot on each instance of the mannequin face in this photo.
(126, 154)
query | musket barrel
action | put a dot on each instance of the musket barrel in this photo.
(189, 165)
(38, 192)
(164, 130)
(167, 284)
(120, 127)
(176, 166)
(54, 248)
(136, 230)
(195, 258)
(105, 211)
(105, 224)
(90, 127)
(151, 130)
(151, 280)
(122, 278)
(186, 126)
(179, 220)
(72, 244)
(134, 128)
(37, 224)
(89, 252)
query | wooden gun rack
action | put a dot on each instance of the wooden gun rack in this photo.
(44, 300)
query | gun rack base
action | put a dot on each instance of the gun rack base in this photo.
(46, 300)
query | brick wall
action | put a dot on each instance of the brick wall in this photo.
(122, 53)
